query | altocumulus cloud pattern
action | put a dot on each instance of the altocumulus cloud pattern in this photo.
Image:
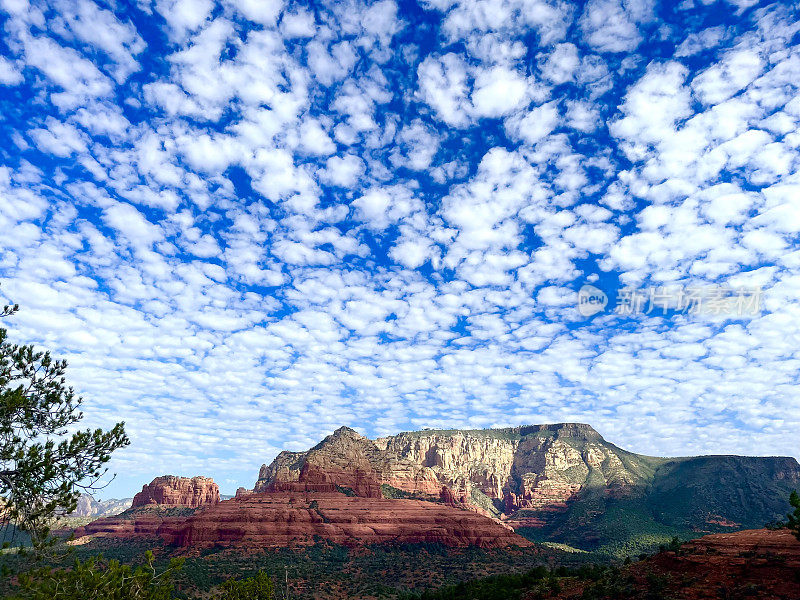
(250, 222)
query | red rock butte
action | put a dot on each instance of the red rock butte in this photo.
(170, 490)
(286, 519)
(280, 519)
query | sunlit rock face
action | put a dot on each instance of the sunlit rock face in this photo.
(495, 471)
(346, 461)
(282, 519)
(178, 491)
(304, 518)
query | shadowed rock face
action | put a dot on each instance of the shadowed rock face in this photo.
(178, 491)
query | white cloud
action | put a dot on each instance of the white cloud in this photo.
(100, 28)
(299, 24)
(60, 139)
(413, 253)
(613, 25)
(314, 139)
(265, 12)
(561, 63)
(535, 124)
(701, 40)
(498, 91)
(9, 74)
(380, 207)
(184, 16)
(654, 105)
(79, 78)
(343, 171)
(132, 224)
(721, 81)
(443, 85)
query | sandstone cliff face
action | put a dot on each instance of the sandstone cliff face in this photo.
(540, 467)
(293, 518)
(178, 491)
(280, 519)
(131, 524)
(346, 461)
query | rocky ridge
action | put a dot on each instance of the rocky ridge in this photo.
(89, 507)
(328, 501)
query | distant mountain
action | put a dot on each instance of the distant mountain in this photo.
(558, 483)
(89, 507)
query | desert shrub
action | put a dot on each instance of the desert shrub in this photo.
(258, 587)
(673, 546)
(793, 518)
(99, 579)
(535, 583)
(613, 585)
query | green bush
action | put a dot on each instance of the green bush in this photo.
(793, 518)
(98, 579)
(259, 587)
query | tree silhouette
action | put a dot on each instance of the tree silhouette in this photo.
(44, 463)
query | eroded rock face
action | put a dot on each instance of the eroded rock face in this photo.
(501, 471)
(280, 519)
(537, 476)
(286, 519)
(349, 462)
(178, 491)
(757, 564)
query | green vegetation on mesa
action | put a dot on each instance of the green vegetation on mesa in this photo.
(512, 433)
(666, 497)
(685, 497)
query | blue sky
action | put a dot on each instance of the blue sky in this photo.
(248, 223)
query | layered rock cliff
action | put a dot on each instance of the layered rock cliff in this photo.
(563, 481)
(538, 467)
(178, 491)
(346, 461)
(292, 518)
